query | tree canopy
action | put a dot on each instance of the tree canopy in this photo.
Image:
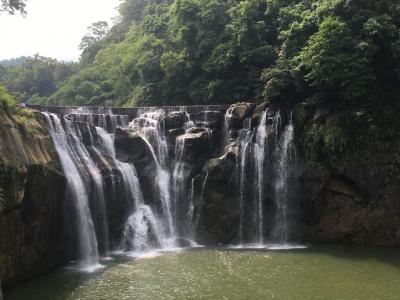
(220, 51)
(34, 79)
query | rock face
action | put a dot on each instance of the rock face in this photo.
(349, 203)
(238, 112)
(88, 132)
(174, 120)
(131, 147)
(356, 206)
(31, 199)
(195, 140)
(219, 213)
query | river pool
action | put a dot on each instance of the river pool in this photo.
(318, 272)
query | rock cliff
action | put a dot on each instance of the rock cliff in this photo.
(31, 198)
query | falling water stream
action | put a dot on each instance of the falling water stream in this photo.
(147, 228)
(66, 143)
(258, 147)
(150, 125)
(244, 143)
(265, 160)
(286, 155)
(259, 170)
(142, 219)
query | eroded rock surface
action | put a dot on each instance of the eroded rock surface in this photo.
(32, 235)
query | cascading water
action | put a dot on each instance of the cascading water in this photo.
(178, 176)
(65, 141)
(264, 156)
(286, 158)
(141, 231)
(85, 144)
(190, 215)
(150, 125)
(259, 157)
(97, 180)
(244, 141)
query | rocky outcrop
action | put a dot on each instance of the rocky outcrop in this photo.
(354, 206)
(348, 203)
(197, 139)
(238, 112)
(174, 120)
(131, 147)
(31, 199)
(219, 211)
(258, 112)
(351, 201)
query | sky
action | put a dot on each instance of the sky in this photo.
(52, 28)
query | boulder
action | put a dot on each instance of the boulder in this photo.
(196, 129)
(196, 139)
(238, 112)
(219, 168)
(175, 132)
(258, 112)
(131, 147)
(219, 212)
(175, 119)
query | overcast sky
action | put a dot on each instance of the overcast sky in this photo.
(52, 28)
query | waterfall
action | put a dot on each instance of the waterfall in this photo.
(190, 214)
(244, 141)
(286, 158)
(142, 231)
(178, 176)
(265, 155)
(259, 157)
(67, 146)
(163, 213)
(150, 125)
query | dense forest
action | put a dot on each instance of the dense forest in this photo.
(202, 51)
(34, 79)
(343, 55)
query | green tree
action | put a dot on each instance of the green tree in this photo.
(96, 32)
(335, 63)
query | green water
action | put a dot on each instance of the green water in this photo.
(328, 272)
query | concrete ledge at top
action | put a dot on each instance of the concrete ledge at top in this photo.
(132, 112)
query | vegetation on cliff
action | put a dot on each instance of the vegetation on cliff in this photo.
(7, 101)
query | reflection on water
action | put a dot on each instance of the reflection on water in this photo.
(318, 272)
